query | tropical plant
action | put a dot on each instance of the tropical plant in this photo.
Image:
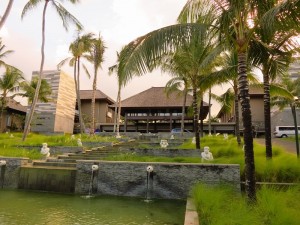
(96, 58)
(9, 83)
(176, 84)
(6, 13)
(66, 18)
(3, 54)
(79, 48)
(272, 51)
(29, 89)
(293, 87)
(122, 81)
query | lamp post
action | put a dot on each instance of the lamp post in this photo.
(295, 124)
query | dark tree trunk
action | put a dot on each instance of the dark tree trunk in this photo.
(183, 110)
(267, 116)
(196, 116)
(200, 116)
(247, 124)
(82, 125)
(237, 113)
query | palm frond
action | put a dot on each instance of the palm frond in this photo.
(66, 16)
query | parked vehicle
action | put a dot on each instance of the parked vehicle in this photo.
(285, 131)
(178, 130)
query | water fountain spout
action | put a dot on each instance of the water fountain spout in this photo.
(149, 187)
(2, 163)
(95, 168)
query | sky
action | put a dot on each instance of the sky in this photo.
(118, 22)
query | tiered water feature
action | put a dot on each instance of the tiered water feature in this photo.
(89, 174)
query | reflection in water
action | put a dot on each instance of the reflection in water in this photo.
(37, 208)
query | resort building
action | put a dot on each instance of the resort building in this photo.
(154, 111)
(103, 113)
(13, 117)
(56, 115)
(257, 111)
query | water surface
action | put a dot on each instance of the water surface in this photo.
(35, 208)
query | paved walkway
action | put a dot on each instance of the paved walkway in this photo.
(289, 146)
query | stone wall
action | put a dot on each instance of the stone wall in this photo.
(169, 180)
(9, 174)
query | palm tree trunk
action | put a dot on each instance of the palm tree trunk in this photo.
(201, 119)
(82, 126)
(6, 13)
(119, 114)
(183, 110)
(267, 115)
(3, 105)
(237, 113)
(247, 123)
(94, 101)
(209, 112)
(196, 116)
(37, 90)
(293, 108)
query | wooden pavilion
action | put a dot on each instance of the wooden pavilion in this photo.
(154, 111)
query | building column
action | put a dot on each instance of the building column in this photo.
(147, 129)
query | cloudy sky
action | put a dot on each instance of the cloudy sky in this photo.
(118, 21)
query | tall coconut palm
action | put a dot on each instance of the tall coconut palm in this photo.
(9, 83)
(66, 18)
(171, 64)
(122, 81)
(176, 84)
(96, 57)
(79, 49)
(6, 13)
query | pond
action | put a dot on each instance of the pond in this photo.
(35, 208)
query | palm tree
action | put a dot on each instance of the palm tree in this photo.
(96, 57)
(237, 21)
(293, 87)
(272, 51)
(122, 81)
(29, 89)
(6, 13)
(3, 54)
(9, 82)
(66, 18)
(79, 49)
(175, 84)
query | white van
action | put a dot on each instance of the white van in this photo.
(285, 131)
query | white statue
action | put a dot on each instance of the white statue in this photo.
(45, 150)
(225, 136)
(206, 154)
(164, 143)
(172, 137)
(11, 136)
(72, 137)
(194, 140)
(79, 143)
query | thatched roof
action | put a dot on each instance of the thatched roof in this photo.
(156, 97)
(88, 94)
